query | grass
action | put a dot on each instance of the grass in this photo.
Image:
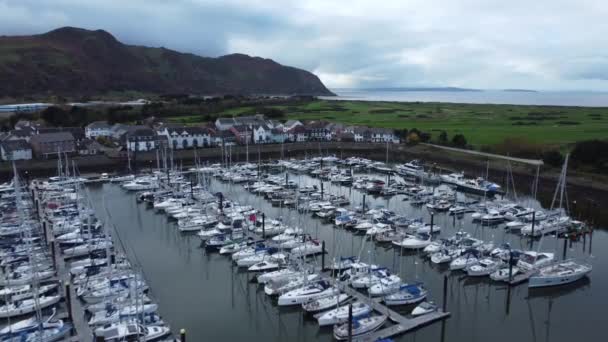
(481, 124)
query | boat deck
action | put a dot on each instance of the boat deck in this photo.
(402, 324)
(521, 277)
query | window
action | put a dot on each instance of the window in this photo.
(185, 143)
(174, 144)
(195, 143)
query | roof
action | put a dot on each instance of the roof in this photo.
(15, 145)
(142, 132)
(316, 125)
(298, 129)
(277, 131)
(99, 125)
(379, 130)
(191, 130)
(77, 132)
(225, 121)
(264, 126)
(52, 137)
(240, 128)
(25, 131)
(292, 122)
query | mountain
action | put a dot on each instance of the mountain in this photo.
(74, 61)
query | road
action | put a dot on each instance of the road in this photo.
(534, 162)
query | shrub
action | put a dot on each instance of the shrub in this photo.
(553, 158)
(459, 140)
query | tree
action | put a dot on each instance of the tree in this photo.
(459, 140)
(425, 137)
(54, 116)
(591, 152)
(443, 138)
(553, 158)
(413, 138)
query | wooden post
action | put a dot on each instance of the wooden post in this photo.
(263, 226)
(322, 255)
(445, 293)
(432, 222)
(321, 189)
(454, 220)
(565, 246)
(53, 256)
(191, 189)
(363, 204)
(510, 266)
(350, 322)
(44, 232)
(533, 222)
(286, 178)
(68, 301)
(182, 335)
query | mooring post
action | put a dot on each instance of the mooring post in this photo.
(533, 222)
(53, 256)
(454, 220)
(99, 338)
(112, 259)
(432, 222)
(321, 189)
(263, 226)
(565, 246)
(68, 300)
(350, 322)
(322, 255)
(363, 204)
(286, 178)
(44, 232)
(510, 266)
(191, 189)
(445, 293)
(182, 335)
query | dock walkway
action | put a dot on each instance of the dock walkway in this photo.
(402, 324)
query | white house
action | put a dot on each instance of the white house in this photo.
(224, 124)
(261, 134)
(382, 135)
(277, 135)
(297, 134)
(291, 124)
(15, 150)
(187, 137)
(144, 139)
(98, 129)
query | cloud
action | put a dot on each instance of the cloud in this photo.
(543, 44)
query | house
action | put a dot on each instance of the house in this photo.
(48, 144)
(261, 134)
(15, 150)
(297, 134)
(144, 139)
(345, 137)
(224, 138)
(27, 124)
(98, 129)
(242, 134)
(361, 134)
(24, 133)
(224, 124)
(274, 124)
(317, 131)
(183, 137)
(382, 135)
(89, 147)
(250, 121)
(77, 132)
(277, 135)
(290, 124)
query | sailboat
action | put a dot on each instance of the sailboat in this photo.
(559, 273)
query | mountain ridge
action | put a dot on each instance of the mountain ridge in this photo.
(76, 61)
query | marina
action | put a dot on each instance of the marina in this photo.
(313, 229)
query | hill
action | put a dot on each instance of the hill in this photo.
(74, 61)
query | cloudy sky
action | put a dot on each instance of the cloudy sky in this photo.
(490, 44)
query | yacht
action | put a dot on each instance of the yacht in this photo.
(340, 314)
(406, 294)
(306, 293)
(359, 327)
(559, 273)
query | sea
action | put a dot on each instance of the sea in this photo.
(545, 98)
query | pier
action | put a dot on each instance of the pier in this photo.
(402, 324)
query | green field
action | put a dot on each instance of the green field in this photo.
(481, 124)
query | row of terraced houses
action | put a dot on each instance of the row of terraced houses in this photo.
(32, 140)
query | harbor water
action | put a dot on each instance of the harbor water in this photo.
(208, 296)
